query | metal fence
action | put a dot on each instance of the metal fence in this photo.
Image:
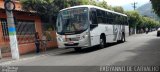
(25, 31)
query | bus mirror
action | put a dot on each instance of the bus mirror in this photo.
(92, 26)
(93, 23)
(90, 22)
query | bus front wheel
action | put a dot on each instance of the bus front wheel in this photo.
(102, 42)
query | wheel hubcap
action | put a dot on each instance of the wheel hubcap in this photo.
(123, 38)
(102, 42)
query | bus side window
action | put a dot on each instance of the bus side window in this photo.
(121, 20)
(99, 16)
(107, 17)
(110, 18)
(93, 16)
(126, 21)
(103, 17)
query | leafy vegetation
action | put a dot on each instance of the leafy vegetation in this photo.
(156, 6)
(50, 8)
(141, 22)
(146, 10)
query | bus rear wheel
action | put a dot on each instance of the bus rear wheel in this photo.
(102, 42)
(123, 38)
(78, 49)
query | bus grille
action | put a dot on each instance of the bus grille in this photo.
(72, 39)
(75, 44)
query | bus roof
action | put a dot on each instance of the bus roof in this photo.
(91, 6)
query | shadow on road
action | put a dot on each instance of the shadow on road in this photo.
(147, 54)
(88, 50)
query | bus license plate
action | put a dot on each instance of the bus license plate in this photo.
(70, 42)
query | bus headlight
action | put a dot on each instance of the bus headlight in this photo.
(60, 38)
(83, 37)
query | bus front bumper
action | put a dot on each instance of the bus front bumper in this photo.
(74, 44)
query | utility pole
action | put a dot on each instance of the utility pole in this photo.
(0, 53)
(10, 6)
(134, 6)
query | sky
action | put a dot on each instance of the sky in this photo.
(125, 3)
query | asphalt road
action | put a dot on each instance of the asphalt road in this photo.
(143, 49)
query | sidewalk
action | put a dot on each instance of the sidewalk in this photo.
(8, 60)
(5, 61)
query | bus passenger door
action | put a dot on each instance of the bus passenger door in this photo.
(109, 33)
(93, 27)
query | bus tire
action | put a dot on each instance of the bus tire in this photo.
(78, 49)
(123, 38)
(102, 41)
(158, 34)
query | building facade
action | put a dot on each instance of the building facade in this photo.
(26, 23)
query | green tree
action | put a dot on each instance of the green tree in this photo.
(156, 6)
(45, 8)
(140, 22)
(118, 9)
(102, 4)
(133, 18)
(40, 6)
(48, 9)
(93, 2)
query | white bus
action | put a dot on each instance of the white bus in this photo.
(86, 26)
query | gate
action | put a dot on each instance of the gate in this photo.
(25, 30)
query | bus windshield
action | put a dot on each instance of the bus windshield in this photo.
(72, 21)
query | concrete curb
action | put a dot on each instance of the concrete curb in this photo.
(21, 59)
(34, 56)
